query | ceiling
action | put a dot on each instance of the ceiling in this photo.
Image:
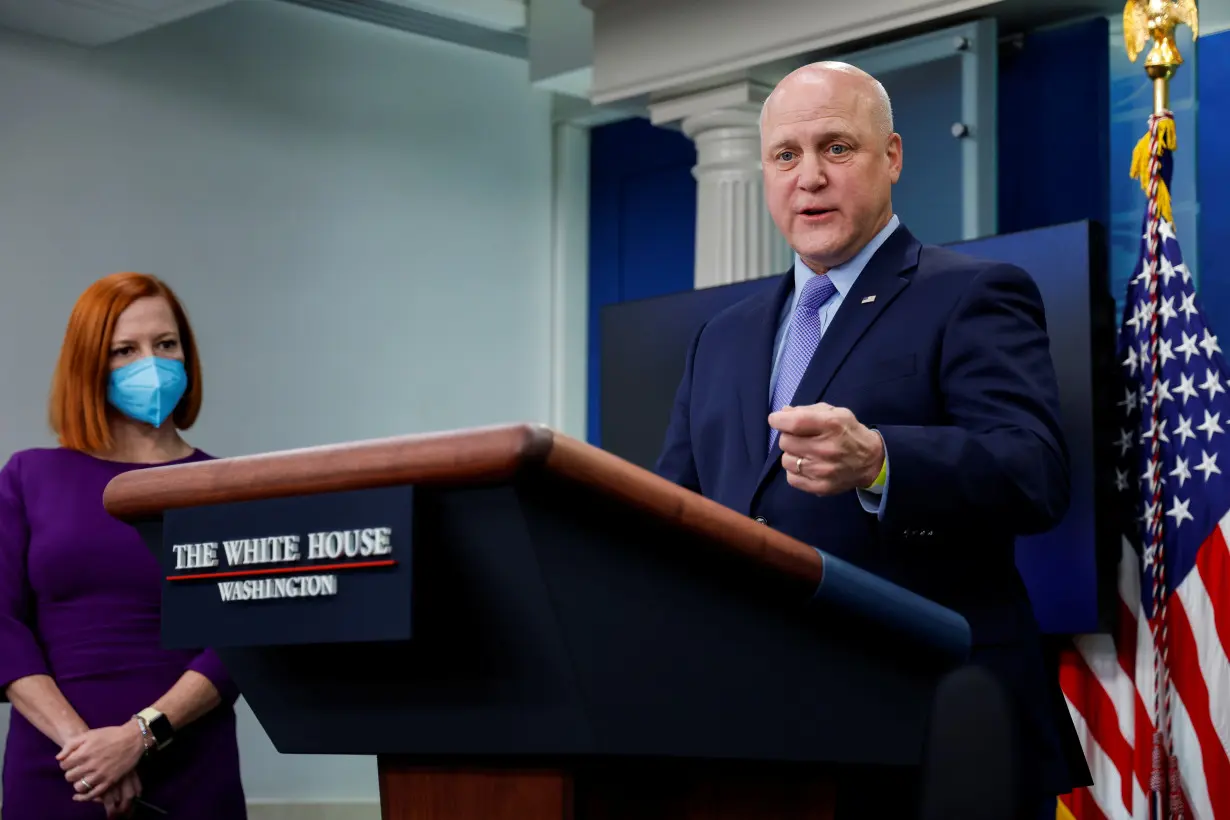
(499, 26)
(96, 22)
(438, 21)
(491, 25)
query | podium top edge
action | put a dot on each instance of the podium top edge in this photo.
(457, 458)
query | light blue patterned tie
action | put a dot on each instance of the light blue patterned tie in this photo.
(801, 343)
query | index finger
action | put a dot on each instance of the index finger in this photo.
(73, 758)
(812, 420)
(69, 747)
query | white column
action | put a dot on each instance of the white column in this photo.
(736, 239)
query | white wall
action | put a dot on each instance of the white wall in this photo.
(358, 221)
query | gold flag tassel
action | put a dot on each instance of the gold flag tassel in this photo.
(1161, 137)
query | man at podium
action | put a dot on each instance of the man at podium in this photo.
(893, 404)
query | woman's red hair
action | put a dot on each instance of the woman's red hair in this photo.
(79, 387)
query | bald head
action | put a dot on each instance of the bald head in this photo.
(804, 87)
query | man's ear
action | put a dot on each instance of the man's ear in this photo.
(893, 151)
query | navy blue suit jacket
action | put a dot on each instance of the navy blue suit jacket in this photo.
(951, 363)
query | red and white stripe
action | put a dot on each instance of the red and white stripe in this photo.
(1109, 692)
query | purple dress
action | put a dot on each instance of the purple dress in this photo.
(80, 600)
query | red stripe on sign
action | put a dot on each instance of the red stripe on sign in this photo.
(245, 573)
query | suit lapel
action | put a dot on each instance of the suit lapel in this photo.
(883, 278)
(752, 365)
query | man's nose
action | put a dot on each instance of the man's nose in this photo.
(811, 173)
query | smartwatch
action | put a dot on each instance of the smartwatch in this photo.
(159, 727)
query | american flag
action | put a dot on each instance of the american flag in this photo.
(1152, 702)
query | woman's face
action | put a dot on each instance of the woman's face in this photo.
(146, 328)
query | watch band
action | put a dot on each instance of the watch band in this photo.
(147, 739)
(158, 726)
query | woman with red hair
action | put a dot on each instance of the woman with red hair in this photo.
(105, 720)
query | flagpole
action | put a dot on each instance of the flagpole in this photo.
(1156, 20)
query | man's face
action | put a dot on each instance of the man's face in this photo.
(829, 166)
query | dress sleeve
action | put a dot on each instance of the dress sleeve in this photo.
(208, 663)
(20, 653)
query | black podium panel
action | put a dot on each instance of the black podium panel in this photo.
(327, 568)
(550, 621)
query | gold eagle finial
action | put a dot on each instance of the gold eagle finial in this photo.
(1156, 19)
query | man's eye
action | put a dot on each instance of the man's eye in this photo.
(786, 156)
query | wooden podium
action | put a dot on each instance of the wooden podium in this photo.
(523, 627)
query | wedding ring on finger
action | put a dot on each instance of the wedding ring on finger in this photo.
(85, 784)
(798, 465)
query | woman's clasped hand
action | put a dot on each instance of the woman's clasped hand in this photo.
(101, 765)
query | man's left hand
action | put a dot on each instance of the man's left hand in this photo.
(826, 450)
(101, 757)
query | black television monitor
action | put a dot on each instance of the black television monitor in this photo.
(1069, 571)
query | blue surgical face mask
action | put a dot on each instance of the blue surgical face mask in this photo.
(148, 390)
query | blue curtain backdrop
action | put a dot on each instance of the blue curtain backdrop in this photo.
(1070, 112)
